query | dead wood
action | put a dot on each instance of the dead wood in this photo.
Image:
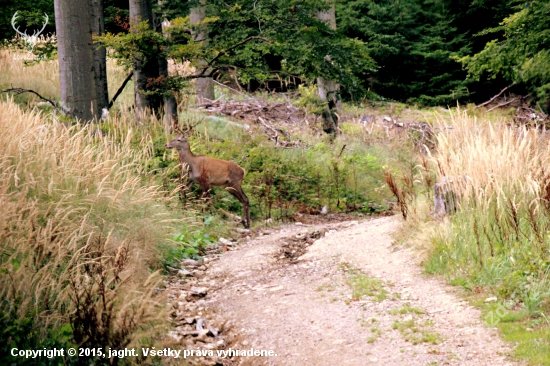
(503, 104)
(18, 91)
(495, 97)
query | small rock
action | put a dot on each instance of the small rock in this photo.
(324, 210)
(209, 346)
(184, 273)
(226, 242)
(173, 334)
(491, 299)
(244, 231)
(201, 291)
(191, 263)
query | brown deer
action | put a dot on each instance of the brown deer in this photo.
(209, 172)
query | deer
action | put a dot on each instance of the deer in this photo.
(209, 172)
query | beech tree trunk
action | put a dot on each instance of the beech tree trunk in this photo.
(170, 103)
(100, 54)
(76, 61)
(329, 89)
(145, 70)
(203, 86)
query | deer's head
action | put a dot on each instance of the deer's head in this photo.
(178, 143)
(181, 141)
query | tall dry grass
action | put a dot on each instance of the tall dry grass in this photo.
(499, 238)
(80, 229)
(43, 77)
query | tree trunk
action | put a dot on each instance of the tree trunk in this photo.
(100, 54)
(328, 92)
(203, 86)
(145, 70)
(170, 104)
(329, 89)
(76, 61)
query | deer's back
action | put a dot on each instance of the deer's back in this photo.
(220, 172)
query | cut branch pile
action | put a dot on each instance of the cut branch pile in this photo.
(421, 133)
(524, 111)
(252, 108)
(270, 117)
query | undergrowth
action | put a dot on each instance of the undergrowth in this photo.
(345, 175)
(497, 243)
(80, 232)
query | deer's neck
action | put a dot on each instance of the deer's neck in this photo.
(186, 155)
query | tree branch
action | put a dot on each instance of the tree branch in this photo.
(496, 96)
(246, 40)
(119, 91)
(18, 91)
(502, 104)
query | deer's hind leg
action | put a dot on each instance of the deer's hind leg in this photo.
(238, 193)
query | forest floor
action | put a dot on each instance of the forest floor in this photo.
(336, 293)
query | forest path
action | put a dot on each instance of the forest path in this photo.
(303, 308)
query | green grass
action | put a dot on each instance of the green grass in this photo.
(530, 334)
(344, 174)
(363, 285)
(406, 309)
(376, 333)
(532, 345)
(415, 333)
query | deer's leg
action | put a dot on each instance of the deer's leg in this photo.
(205, 191)
(239, 194)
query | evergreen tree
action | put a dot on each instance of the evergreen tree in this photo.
(413, 42)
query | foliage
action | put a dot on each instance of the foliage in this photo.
(295, 42)
(256, 42)
(281, 182)
(522, 55)
(310, 100)
(140, 43)
(194, 242)
(412, 42)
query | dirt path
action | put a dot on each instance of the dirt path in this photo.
(303, 307)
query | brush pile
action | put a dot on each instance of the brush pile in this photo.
(269, 117)
(251, 109)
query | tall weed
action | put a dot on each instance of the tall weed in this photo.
(80, 230)
(499, 238)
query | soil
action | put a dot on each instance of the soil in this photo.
(289, 290)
